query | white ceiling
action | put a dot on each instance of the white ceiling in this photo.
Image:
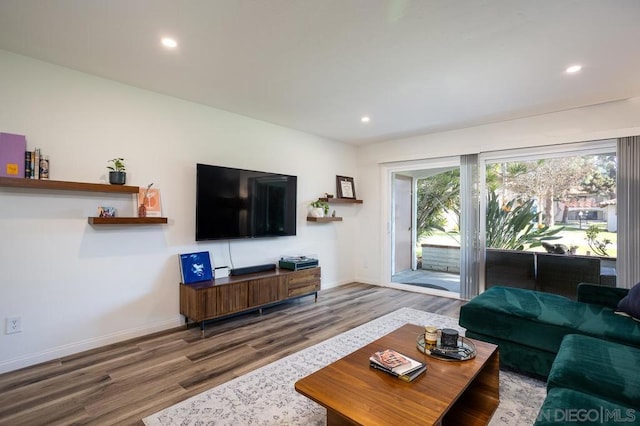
(414, 67)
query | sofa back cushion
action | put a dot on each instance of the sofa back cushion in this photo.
(541, 320)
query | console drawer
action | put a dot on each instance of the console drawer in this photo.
(303, 282)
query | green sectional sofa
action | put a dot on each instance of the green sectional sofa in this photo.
(590, 354)
(529, 326)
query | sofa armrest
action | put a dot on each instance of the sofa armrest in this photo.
(601, 295)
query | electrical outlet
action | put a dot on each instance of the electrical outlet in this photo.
(13, 325)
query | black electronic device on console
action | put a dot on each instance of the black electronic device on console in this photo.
(253, 269)
(297, 263)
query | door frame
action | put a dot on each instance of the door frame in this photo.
(387, 171)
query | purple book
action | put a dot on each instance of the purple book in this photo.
(12, 148)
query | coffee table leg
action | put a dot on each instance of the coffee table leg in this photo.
(481, 398)
(336, 419)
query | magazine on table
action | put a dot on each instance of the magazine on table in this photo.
(397, 364)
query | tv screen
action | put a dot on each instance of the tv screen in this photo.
(235, 203)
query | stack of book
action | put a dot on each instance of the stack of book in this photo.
(17, 162)
(396, 364)
(36, 165)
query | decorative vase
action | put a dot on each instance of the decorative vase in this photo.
(316, 212)
(142, 211)
(117, 178)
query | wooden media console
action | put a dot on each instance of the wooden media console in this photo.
(213, 299)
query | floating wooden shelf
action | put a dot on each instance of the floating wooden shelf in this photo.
(67, 186)
(341, 200)
(324, 219)
(86, 187)
(127, 220)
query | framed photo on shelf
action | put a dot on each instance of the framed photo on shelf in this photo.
(345, 187)
(106, 211)
(150, 198)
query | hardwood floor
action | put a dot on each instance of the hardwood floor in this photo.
(124, 382)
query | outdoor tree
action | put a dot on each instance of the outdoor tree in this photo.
(598, 246)
(547, 180)
(511, 225)
(602, 180)
(437, 195)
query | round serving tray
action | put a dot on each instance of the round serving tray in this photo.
(466, 350)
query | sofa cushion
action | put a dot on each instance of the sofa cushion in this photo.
(527, 317)
(605, 369)
(604, 323)
(630, 304)
(601, 295)
(541, 320)
(568, 406)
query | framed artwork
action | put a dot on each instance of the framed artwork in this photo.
(195, 267)
(106, 211)
(345, 187)
(150, 198)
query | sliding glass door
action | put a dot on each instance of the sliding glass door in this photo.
(540, 218)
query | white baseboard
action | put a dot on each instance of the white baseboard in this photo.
(366, 281)
(76, 347)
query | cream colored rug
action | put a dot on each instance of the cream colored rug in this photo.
(267, 396)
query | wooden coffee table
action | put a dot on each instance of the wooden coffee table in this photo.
(457, 393)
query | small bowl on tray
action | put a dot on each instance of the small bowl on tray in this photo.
(464, 351)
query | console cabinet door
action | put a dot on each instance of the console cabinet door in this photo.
(208, 302)
(197, 304)
(263, 291)
(232, 298)
(303, 282)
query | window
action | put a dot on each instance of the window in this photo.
(550, 218)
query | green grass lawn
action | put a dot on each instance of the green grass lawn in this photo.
(573, 235)
(570, 235)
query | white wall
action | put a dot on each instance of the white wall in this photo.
(611, 120)
(77, 286)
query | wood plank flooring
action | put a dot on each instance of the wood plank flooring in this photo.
(122, 383)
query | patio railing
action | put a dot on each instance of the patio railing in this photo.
(551, 273)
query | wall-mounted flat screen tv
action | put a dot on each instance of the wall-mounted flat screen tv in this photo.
(235, 203)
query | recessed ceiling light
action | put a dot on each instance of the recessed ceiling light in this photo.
(169, 42)
(365, 119)
(573, 69)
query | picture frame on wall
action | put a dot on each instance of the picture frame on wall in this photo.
(345, 187)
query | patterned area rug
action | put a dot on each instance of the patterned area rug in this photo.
(267, 396)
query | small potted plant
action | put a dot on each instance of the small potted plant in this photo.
(319, 208)
(117, 171)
